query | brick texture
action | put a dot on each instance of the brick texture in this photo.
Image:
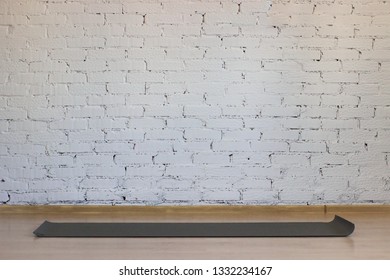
(194, 102)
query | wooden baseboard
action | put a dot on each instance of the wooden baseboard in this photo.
(169, 209)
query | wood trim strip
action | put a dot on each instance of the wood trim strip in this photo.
(171, 209)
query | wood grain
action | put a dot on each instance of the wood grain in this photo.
(369, 241)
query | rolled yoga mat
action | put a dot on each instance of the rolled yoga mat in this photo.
(339, 227)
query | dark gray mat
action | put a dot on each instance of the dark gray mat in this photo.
(339, 227)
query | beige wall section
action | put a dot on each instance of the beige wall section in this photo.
(369, 241)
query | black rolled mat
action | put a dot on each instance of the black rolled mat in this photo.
(339, 227)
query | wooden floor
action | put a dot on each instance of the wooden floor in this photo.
(371, 239)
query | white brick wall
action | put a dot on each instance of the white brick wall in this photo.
(194, 102)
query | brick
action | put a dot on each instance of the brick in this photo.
(302, 123)
(225, 123)
(375, 124)
(192, 146)
(144, 8)
(355, 43)
(124, 42)
(183, 195)
(127, 65)
(12, 19)
(361, 89)
(341, 124)
(86, 19)
(96, 65)
(107, 53)
(376, 100)
(86, 89)
(325, 66)
(138, 99)
(340, 77)
(125, 135)
(381, 44)
(28, 55)
(302, 100)
(340, 171)
(242, 134)
(85, 42)
(67, 78)
(241, 42)
(144, 77)
(10, 185)
(222, 195)
(62, 31)
(46, 19)
(67, 8)
(27, 125)
(339, 100)
(262, 172)
(250, 158)
(105, 31)
(357, 135)
(372, 9)
(202, 134)
(363, 66)
(66, 196)
(285, 111)
(68, 54)
(262, 123)
(103, 8)
(125, 111)
(336, 31)
(263, 99)
(228, 18)
(107, 123)
(126, 88)
(173, 158)
(98, 183)
(306, 77)
(13, 137)
(163, 111)
(88, 135)
(45, 114)
(26, 7)
(69, 124)
(319, 135)
(380, 31)
(222, 30)
(344, 148)
(376, 54)
(362, 112)
(153, 146)
(382, 112)
(291, 159)
(269, 146)
(147, 123)
(210, 111)
(107, 76)
(231, 146)
(133, 158)
(184, 123)
(310, 147)
(334, 9)
(161, 65)
(241, 111)
(183, 99)
(47, 137)
(340, 54)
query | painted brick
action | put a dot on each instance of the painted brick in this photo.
(203, 102)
